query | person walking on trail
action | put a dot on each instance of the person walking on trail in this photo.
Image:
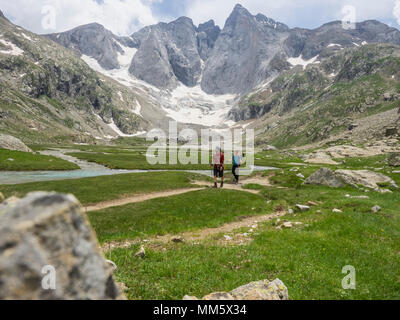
(218, 163)
(237, 162)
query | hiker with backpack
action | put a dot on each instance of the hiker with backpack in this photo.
(219, 166)
(236, 163)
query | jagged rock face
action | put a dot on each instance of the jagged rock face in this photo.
(247, 52)
(310, 43)
(241, 56)
(168, 54)
(208, 34)
(45, 235)
(95, 41)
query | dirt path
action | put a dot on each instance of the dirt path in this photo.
(162, 194)
(139, 198)
(226, 186)
(246, 222)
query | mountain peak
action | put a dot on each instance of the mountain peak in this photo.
(1, 14)
(238, 6)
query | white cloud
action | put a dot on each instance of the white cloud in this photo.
(124, 17)
(121, 16)
(295, 13)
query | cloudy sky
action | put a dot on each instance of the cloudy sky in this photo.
(124, 17)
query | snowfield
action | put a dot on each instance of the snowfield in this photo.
(299, 61)
(184, 104)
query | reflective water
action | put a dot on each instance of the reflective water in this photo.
(8, 177)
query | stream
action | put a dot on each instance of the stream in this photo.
(88, 170)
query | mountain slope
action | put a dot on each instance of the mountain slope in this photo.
(328, 99)
(47, 93)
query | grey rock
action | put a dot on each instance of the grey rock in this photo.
(49, 229)
(207, 35)
(376, 209)
(325, 177)
(259, 290)
(365, 178)
(12, 143)
(2, 198)
(242, 53)
(302, 208)
(262, 290)
(95, 41)
(168, 53)
(269, 148)
(394, 159)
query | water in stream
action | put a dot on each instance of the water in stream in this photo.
(87, 170)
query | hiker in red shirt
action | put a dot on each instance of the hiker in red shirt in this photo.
(219, 166)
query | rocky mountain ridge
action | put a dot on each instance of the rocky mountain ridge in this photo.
(248, 51)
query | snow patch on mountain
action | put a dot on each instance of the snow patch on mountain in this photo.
(299, 61)
(194, 106)
(15, 51)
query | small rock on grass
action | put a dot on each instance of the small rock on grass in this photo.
(312, 204)
(287, 225)
(302, 208)
(337, 211)
(376, 209)
(141, 253)
(290, 211)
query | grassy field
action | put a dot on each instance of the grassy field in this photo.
(187, 212)
(308, 259)
(26, 161)
(98, 189)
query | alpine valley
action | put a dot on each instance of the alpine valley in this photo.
(293, 86)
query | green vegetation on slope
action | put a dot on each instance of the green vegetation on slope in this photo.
(25, 161)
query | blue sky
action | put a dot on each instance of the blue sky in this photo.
(124, 17)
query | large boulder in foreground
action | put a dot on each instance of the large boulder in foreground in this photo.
(325, 177)
(259, 290)
(47, 234)
(12, 143)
